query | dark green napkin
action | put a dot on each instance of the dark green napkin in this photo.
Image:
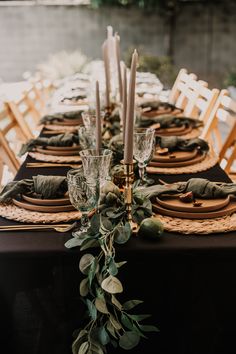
(200, 187)
(168, 120)
(74, 98)
(174, 143)
(67, 139)
(60, 116)
(44, 187)
(155, 105)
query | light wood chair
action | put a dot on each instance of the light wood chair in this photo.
(178, 93)
(28, 110)
(220, 130)
(11, 138)
(201, 101)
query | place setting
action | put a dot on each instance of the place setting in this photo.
(175, 155)
(61, 122)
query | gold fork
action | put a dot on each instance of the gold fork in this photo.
(45, 164)
(56, 227)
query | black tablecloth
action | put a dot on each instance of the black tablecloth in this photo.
(187, 282)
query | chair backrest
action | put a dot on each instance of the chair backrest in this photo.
(27, 111)
(10, 135)
(180, 88)
(222, 118)
(201, 101)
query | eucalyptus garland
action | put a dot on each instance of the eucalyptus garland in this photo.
(110, 322)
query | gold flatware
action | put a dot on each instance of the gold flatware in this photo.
(56, 227)
(45, 164)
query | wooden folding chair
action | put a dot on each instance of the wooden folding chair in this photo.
(178, 94)
(11, 135)
(27, 111)
(201, 101)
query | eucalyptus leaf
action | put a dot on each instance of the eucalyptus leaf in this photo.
(106, 225)
(96, 348)
(120, 264)
(127, 322)
(116, 302)
(112, 267)
(111, 329)
(93, 269)
(79, 340)
(89, 243)
(73, 242)
(112, 285)
(122, 233)
(139, 317)
(148, 328)
(129, 340)
(103, 336)
(128, 305)
(101, 305)
(85, 263)
(116, 324)
(84, 288)
(84, 348)
(92, 309)
(94, 224)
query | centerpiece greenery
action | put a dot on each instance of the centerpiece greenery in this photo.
(110, 321)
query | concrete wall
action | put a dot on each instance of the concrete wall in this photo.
(204, 37)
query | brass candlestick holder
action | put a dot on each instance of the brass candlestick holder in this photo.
(128, 188)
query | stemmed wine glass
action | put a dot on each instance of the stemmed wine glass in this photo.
(87, 137)
(143, 148)
(96, 165)
(83, 197)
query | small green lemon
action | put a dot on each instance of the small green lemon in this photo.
(151, 228)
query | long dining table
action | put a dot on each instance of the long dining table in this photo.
(187, 282)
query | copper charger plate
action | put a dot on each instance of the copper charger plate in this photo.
(175, 156)
(177, 131)
(46, 202)
(68, 122)
(205, 205)
(56, 152)
(43, 208)
(63, 148)
(227, 210)
(171, 164)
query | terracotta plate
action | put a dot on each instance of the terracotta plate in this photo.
(39, 201)
(63, 148)
(199, 157)
(179, 156)
(227, 210)
(70, 122)
(208, 205)
(178, 131)
(43, 208)
(56, 152)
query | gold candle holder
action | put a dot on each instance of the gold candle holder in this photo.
(128, 189)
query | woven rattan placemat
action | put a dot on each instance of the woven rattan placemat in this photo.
(51, 158)
(12, 212)
(210, 160)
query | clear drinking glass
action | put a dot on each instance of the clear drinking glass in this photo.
(87, 137)
(83, 197)
(143, 148)
(96, 165)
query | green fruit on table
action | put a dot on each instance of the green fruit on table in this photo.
(151, 228)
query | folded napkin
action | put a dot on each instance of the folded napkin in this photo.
(168, 120)
(74, 98)
(200, 187)
(155, 105)
(60, 116)
(67, 139)
(44, 187)
(173, 143)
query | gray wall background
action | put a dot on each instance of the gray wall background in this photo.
(204, 39)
